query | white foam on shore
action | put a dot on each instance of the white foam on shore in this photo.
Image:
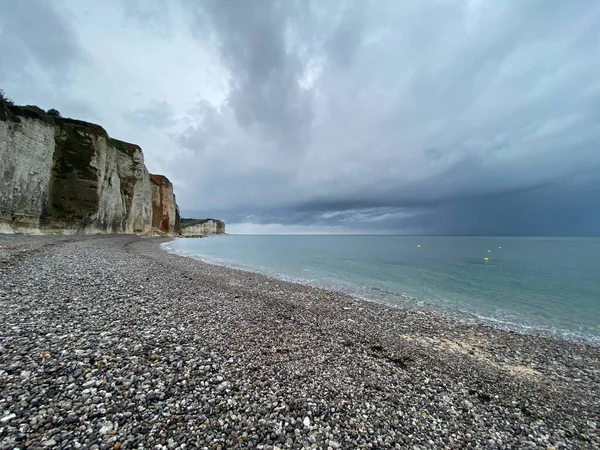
(507, 325)
(406, 301)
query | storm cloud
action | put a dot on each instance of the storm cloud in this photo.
(437, 117)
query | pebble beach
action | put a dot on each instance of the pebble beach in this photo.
(110, 342)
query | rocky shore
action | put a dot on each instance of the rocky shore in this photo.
(109, 342)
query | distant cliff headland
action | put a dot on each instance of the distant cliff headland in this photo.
(201, 227)
(66, 175)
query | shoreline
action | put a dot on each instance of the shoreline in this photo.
(113, 340)
(468, 318)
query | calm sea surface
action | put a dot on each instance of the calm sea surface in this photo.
(543, 284)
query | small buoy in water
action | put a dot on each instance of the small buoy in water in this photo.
(418, 245)
(499, 247)
(486, 259)
(489, 251)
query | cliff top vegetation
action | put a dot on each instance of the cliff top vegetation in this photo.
(191, 222)
(9, 111)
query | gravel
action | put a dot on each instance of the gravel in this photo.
(109, 342)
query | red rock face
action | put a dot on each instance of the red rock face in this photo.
(165, 213)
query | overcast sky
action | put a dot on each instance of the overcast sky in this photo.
(441, 117)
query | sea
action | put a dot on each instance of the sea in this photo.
(531, 284)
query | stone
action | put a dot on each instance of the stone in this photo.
(177, 337)
(107, 427)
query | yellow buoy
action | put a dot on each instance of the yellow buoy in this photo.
(486, 259)
(418, 245)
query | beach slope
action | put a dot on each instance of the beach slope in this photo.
(111, 342)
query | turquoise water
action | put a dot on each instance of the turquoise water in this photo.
(532, 284)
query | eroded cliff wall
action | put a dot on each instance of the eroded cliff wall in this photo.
(165, 212)
(26, 151)
(64, 174)
(202, 227)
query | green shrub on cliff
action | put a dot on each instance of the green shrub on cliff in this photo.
(124, 147)
(12, 112)
(5, 104)
(4, 99)
(32, 112)
(74, 134)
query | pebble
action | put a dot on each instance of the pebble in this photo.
(109, 342)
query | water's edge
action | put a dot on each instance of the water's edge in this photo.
(464, 317)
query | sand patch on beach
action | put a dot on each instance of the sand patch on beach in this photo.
(475, 348)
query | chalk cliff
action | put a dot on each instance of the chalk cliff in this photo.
(201, 227)
(165, 212)
(68, 175)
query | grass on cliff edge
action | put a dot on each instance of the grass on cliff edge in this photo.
(190, 222)
(13, 113)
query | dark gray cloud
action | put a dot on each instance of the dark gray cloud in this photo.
(558, 209)
(422, 116)
(564, 208)
(475, 117)
(264, 92)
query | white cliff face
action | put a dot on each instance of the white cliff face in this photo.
(125, 197)
(202, 229)
(111, 211)
(139, 219)
(69, 176)
(26, 151)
